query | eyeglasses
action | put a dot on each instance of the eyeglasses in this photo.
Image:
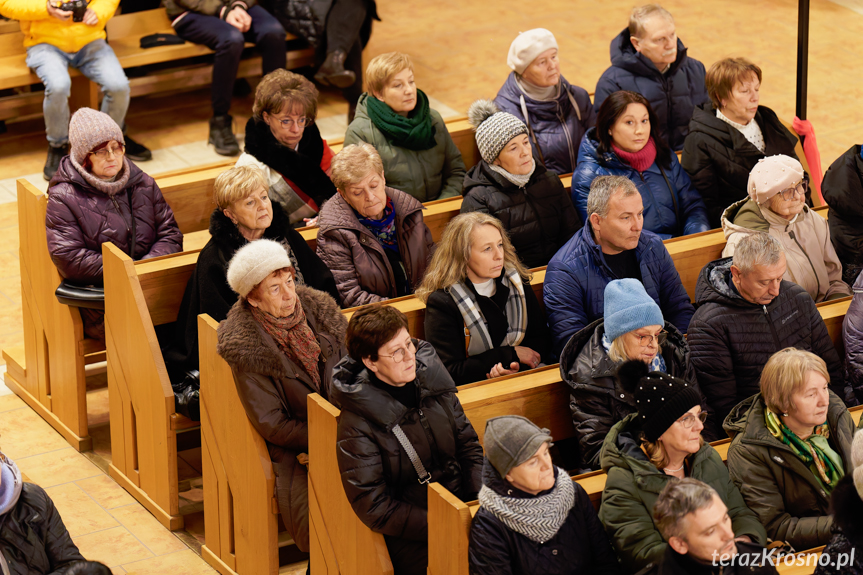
(399, 354)
(103, 154)
(287, 123)
(789, 194)
(646, 340)
(689, 420)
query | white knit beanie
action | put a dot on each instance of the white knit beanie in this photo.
(771, 175)
(857, 461)
(527, 46)
(494, 129)
(253, 262)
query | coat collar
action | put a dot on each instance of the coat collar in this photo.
(225, 233)
(624, 55)
(338, 214)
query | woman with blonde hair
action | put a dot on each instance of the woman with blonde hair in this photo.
(482, 315)
(791, 446)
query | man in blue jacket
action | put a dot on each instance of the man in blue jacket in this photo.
(650, 59)
(612, 245)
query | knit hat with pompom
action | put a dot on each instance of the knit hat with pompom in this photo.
(494, 129)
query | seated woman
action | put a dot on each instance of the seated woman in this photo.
(791, 446)
(776, 205)
(645, 450)
(532, 516)
(371, 236)
(728, 135)
(417, 151)
(529, 200)
(284, 142)
(482, 315)
(556, 112)
(244, 214)
(626, 142)
(282, 341)
(843, 191)
(98, 196)
(389, 382)
(632, 328)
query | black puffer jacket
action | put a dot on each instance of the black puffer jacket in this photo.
(378, 477)
(579, 546)
(843, 191)
(718, 158)
(731, 339)
(847, 509)
(598, 401)
(673, 563)
(539, 217)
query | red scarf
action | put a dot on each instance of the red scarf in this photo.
(294, 337)
(640, 160)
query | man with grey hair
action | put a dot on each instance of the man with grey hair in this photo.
(694, 521)
(649, 58)
(611, 245)
(745, 313)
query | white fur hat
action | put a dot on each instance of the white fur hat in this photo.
(254, 262)
(771, 175)
(527, 46)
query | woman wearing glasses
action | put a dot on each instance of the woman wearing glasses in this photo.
(282, 341)
(284, 142)
(401, 427)
(776, 205)
(660, 440)
(632, 328)
(98, 196)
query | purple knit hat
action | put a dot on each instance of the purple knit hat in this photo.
(90, 128)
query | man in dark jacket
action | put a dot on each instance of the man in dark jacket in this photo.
(649, 59)
(612, 245)
(843, 192)
(746, 313)
(33, 539)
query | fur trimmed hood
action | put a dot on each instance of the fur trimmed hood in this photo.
(242, 345)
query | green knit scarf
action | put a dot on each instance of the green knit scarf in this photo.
(415, 132)
(815, 451)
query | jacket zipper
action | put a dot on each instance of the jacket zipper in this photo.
(125, 223)
(817, 281)
(772, 327)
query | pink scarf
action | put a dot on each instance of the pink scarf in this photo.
(640, 160)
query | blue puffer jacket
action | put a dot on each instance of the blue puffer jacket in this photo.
(659, 206)
(557, 125)
(576, 277)
(852, 334)
(673, 95)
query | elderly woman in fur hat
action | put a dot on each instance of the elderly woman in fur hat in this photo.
(777, 205)
(281, 341)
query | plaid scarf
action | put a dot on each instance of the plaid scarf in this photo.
(294, 337)
(383, 229)
(516, 313)
(815, 451)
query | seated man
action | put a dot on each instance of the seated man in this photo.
(746, 313)
(693, 519)
(649, 59)
(54, 42)
(612, 245)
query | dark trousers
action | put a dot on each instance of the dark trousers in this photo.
(227, 42)
(344, 23)
(407, 556)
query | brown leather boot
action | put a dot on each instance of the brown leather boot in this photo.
(332, 72)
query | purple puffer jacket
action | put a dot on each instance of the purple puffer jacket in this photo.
(81, 218)
(852, 334)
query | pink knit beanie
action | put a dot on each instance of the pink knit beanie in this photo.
(88, 129)
(771, 175)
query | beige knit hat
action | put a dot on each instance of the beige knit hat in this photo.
(857, 461)
(89, 128)
(527, 46)
(771, 175)
(253, 262)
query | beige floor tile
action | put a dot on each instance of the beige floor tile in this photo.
(105, 491)
(80, 513)
(147, 529)
(57, 467)
(10, 402)
(112, 547)
(25, 434)
(118, 570)
(179, 563)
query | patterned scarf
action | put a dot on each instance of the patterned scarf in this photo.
(656, 364)
(815, 451)
(383, 229)
(415, 132)
(515, 309)
(537, 518)
(519, 180)
(294, 337)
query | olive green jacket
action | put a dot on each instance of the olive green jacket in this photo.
(427, 175)
(633, 486)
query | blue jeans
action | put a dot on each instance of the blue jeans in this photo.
(97, 62)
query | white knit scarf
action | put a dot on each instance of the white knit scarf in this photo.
(518, 180)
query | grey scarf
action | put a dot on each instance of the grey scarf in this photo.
(537, 518)
(518, 180)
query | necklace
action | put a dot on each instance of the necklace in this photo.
(673, 470)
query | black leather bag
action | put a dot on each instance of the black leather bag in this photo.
(91, 297)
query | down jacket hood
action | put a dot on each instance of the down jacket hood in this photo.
(714, 285)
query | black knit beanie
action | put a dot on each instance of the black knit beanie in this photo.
(659, 398)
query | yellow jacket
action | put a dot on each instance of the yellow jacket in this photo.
(40, 28)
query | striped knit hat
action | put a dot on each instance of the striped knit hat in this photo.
(494, 129)
(88, 129)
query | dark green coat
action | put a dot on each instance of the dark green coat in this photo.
(775, 483)
(633, 485)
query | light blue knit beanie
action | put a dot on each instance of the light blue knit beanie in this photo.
(628, 307)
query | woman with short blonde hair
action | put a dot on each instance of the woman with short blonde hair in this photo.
(791, 446)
